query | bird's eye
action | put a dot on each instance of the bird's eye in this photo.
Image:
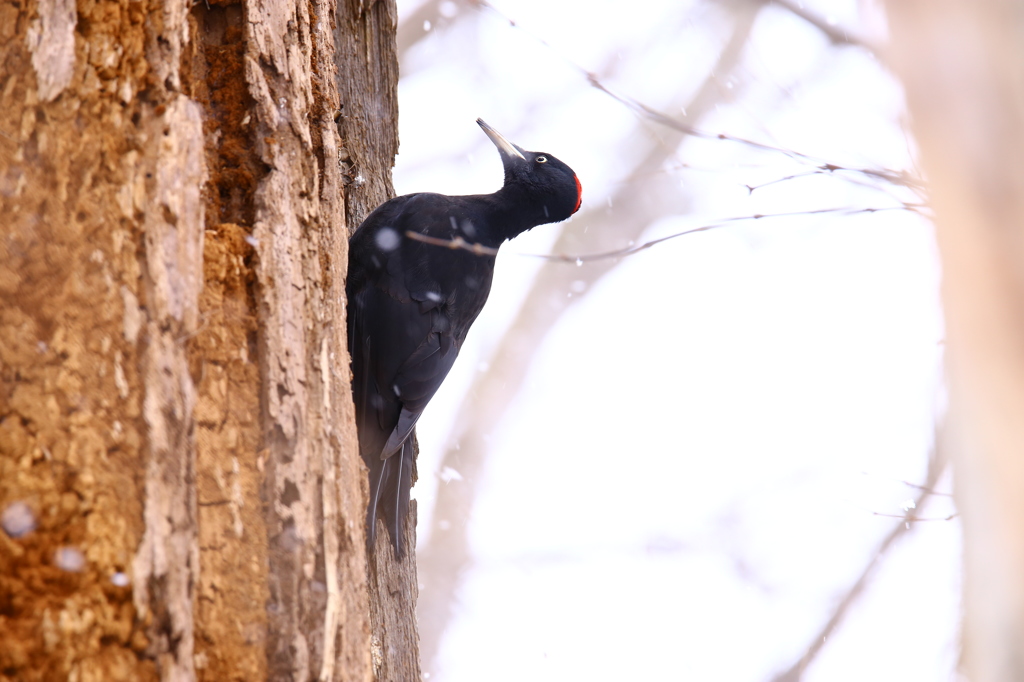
(542, 159)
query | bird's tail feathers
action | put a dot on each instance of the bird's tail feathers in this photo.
(378, 475)
(390, 484)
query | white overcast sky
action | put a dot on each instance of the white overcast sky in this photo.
(707, 445)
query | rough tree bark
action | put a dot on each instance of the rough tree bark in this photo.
(367, 55)
(961, 65)
(180, 488)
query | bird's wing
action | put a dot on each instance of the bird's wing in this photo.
(420, 376)
(402, 347)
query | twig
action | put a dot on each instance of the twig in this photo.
(456, 243)
(630, 250)
(907, 518)
(901, 178)
(921, 487)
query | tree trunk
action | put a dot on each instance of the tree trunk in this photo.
(368, 122)
(961, 64)
(180, 487)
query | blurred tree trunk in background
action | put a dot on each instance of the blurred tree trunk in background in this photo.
(446, 557)
(180, 487)
(962, 65)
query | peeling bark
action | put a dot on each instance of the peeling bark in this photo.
(317, 591)
(51, 40)
(166, 565)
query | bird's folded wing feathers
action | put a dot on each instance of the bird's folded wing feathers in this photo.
(417, 382)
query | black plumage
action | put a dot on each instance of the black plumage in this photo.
(413, 298)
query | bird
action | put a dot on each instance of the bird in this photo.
(420, 270)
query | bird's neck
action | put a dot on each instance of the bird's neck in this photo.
(515, 210)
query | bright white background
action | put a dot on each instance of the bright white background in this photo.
(707, 446)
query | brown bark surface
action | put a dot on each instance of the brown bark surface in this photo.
(101, 249)
(175, 413)
(368, 107)
(368, 116)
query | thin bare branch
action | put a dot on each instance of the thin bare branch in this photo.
(909, 518)
(630, 250)
(895, 177)
(456, 243)
(931, 490)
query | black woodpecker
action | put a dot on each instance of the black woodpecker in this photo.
(420, 269)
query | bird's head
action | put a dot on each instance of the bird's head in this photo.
(548, 181)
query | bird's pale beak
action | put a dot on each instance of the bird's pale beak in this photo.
(504, 146)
